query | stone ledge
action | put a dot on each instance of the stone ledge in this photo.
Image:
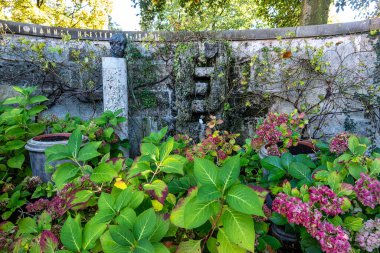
(232, 35)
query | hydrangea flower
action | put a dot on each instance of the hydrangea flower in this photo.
(368, 190)
(368, 237)
(332, 239)
(339, 144)
(326, 199)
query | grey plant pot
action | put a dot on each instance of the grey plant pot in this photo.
(37, 146)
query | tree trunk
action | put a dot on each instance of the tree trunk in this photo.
(315, 12)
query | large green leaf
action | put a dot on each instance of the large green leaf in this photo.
(14, 145)
(71, 234)
(104, 173)
(144, 246)
(353, 223)
(239, 228)
(38, 99)
(103, 216)
(127, 217)
(92, 232)
(16, 162)
(27, 226)
(150, 149)
(89, 151)
(208, 193)
(272, 162)
(245, 200)
(224, 245)
(355, 146)
(229, 173)
(177, 216)
(160, 229)
(173, 164)
(190, 246)
(300, 171)
(122, 235)
(110, 246)
(166, 148)
(56, 152)
(205, 171)
(74, 142)
(145, 224)
(160, 248)
(82, 196)
(64, 173)
(355, 169)
(106, 202)
(375, 167)
(197, 212)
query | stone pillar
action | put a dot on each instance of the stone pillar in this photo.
(115, 90)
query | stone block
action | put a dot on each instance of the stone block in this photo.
(211, 49)
(201, 88)
(204, 71)
(198, 106)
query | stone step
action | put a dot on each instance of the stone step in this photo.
(204, 71)
(201, 88)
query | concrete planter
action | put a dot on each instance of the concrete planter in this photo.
(304, 147)
(37, 146)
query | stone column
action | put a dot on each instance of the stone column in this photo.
(115, 90)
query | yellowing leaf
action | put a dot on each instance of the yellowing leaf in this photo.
(121, 185)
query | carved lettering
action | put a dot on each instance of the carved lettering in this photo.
(79, 34)
(34, 29)
(19, 28)
(48, 31)
(41, 31)
(55, 31)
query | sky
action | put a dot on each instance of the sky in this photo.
(125, 15)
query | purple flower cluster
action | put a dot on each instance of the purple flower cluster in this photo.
(332, 239)
(339, 144)
(57, 206)
(326, 199)
(368, 237)
(368, 190)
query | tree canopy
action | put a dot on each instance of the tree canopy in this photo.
(92, 14)
(242, 14)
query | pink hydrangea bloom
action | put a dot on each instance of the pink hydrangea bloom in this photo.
(368, 190)
(339, 144)
(368, 237)
(326, 199)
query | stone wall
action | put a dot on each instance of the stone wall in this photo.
(179, 79)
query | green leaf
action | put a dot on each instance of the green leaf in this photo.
(355, 147)
(144, 246)
(173, 164)
(205, 171)
(104, 173)
(272, 242)
(208, 193)
(166, 148)
(36, 110)
(157, 189)
(190, 246)
(64, 173)
(82, 196)
(48, 242)
(92, 232)
(71, 234)
(278, 219)
(145, 224)
(126, 218)
(160, 229)
(245, 200)
(177, 216)
(74, 143)
(16, 162)
(89, 151)
(122, 235)
(108, 132)
(106, 202)
(103, 216)
(14, 132)
(300, 171)
(375, 167)
(334, 180)
(355, 169)
(229, 173)
(160, 248)
(150, 149)
(56, 152)
(110, 246)
(224, 245)
(38, 99)
(353, 223)
(286, 160)
(197, 212)
(272, 162)
(128, 198)
(27, 226)
(14, 145)
(239, 229)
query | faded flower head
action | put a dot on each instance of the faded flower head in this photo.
(339, 144)
(368, 237)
